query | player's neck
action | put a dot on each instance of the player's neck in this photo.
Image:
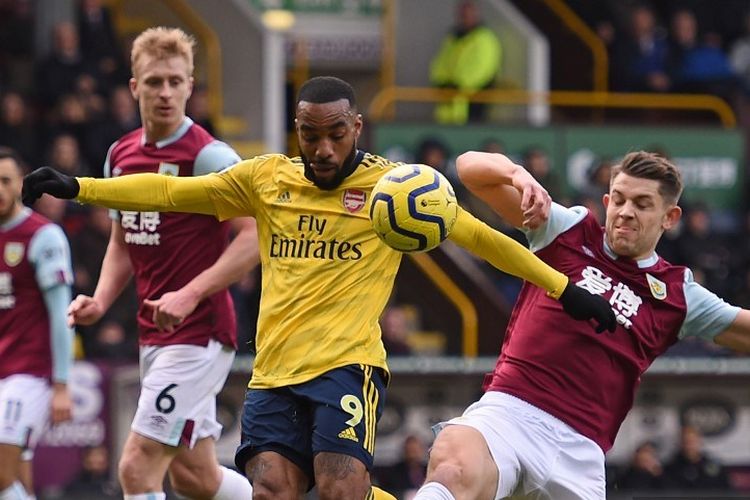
(11, 214)
(154, 133)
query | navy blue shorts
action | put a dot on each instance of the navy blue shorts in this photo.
(336, 412)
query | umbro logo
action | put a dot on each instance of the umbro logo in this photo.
(349, 434)
(587, 251)
(284, 197)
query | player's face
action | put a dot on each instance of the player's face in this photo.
(162, 87)
(327, 135)
(637, 215)
(11, 182)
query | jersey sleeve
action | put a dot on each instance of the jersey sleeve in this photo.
(560, 220)
(707, 314)
(49, 252)
(214, 157)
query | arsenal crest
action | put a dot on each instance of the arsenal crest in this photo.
(13, 253)
(354, 200)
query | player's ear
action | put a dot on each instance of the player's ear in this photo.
(672, 217)
(133, 84)
(191, 82)
(605, 200)
(357, 126)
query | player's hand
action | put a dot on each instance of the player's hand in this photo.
(84, 310)
(535, 200)
(62, 404)
(584, 305)
(172, 308)
(48, 180)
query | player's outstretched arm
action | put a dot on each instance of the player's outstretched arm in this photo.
(506, 187)
(141, 192)
(511, 257)
(240, 256)
(737, 336)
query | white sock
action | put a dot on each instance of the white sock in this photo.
(433, 491)
(15, 491)
(233, 486)
(146, 496)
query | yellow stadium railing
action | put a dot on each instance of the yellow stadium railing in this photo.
(588, 38)
(378, 109)
(464, 305)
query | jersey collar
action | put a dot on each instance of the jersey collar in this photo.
(642, 263)
(176, 135)
(17, 220)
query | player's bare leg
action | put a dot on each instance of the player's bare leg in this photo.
(461, 465)
(143, 465)
(275, 477)
(25, 475)
(195, 473)
(340, 476)
(10, 460)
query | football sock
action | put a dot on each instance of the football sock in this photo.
(233, 486)
(433, 491)
(14, 492)
(378, 494)
(147, 496)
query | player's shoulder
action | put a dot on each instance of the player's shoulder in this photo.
(373, 161)
(266, 164)
(130, 139)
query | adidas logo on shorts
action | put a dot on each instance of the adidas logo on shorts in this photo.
(349, 433)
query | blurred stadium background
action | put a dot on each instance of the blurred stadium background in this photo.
(570, 97)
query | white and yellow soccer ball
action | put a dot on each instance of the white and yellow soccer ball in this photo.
(413, 208)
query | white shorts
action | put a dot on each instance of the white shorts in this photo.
(179, 384)
(24, 410)
(538, 456)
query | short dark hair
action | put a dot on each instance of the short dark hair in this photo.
(645, 165)
(7, 153)
(324, 89)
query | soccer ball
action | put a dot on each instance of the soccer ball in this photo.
(413, 208)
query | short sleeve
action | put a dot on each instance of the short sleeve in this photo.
(214, 157)
(560, 220)
(49, 253)
(707, 314)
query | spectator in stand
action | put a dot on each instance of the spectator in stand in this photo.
(645, 471)
(57, 75)
(468, 60)
(695, 66)
(17, 31)
(93, 482)
(16, 127)
(692, 468)
(198, 109)
(65, 156)
(99, 42)
(122, 117)
(396, 329)
(640, 57)
(404, 478)
(536, 161)
(705, 249)
(739, 56)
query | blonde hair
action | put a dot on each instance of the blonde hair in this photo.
(161, 43)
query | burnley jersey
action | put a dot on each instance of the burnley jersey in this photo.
(36, 257)
(168, 250)
(561, 365)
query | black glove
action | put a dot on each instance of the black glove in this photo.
(48, 180)
(584, 305)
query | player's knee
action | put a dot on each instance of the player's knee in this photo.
(129, 472)
(6, 479)
(449, 465)
(269, 486)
